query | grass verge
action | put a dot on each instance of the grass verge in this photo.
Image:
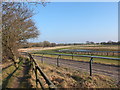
(68, 78)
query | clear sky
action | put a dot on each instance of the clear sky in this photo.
(69, 22)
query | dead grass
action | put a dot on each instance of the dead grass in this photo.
(41, 48)
(68, 78)
(98, 47)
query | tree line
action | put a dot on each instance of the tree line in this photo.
(40, 44)
(49, 44)
(104, 43)
(110, 43)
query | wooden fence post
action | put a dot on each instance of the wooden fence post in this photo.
(36, 75)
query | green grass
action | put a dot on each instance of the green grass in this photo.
(55, 51)
(95, 60)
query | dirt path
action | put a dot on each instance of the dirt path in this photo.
(24, 79)
(21, 80)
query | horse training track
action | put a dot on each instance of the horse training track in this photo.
(109, 70)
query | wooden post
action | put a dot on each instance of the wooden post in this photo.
(36, 75)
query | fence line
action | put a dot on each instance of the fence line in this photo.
(90, 52)
(90, 61)
(82, 56)
(37, 70)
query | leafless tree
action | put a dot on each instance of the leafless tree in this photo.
(17, 27)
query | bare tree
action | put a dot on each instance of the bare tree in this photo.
(17, 27)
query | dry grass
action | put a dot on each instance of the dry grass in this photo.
(92, 47)
(68, 78)
(98, 47)
(41, 48)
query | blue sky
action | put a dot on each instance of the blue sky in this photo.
(69, 22)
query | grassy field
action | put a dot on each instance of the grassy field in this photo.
(69, 78)
(95, 60)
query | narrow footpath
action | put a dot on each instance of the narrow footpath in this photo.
(17, 77)
(24, 76)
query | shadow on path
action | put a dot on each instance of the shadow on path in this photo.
(5, 83)
(7, 67)
(24, 80)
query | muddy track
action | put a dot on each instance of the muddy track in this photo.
(109, 70)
